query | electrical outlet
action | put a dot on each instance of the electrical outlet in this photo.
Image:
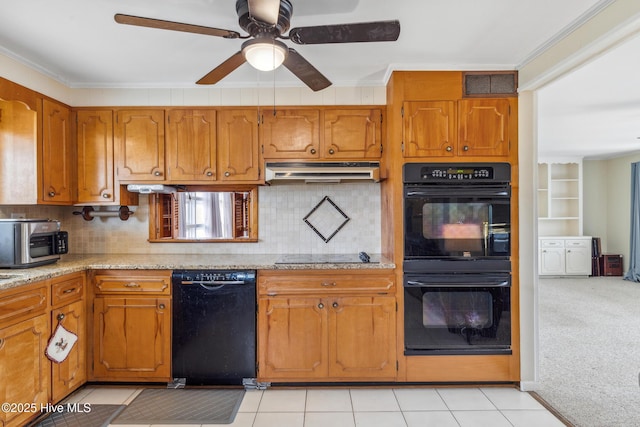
(18, 215)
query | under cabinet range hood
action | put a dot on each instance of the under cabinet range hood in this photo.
(322, 172)
(151, 188)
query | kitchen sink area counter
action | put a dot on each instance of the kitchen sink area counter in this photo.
(10, 278)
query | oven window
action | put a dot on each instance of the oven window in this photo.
(456, 227)
(452, 320)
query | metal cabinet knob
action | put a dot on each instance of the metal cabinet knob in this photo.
(52, 193)
(106, 195)
(334, 305)
(227, 174)
(321, 306)
(157, 173)
(161, 306)
(209, 173)
(465, 148)
(331, 151)
(60, 317)
(449, 148)
(313, 151)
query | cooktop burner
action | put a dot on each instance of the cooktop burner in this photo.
(323, 259)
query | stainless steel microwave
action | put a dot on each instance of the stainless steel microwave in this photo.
(31, 242)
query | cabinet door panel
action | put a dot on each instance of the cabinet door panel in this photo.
(191, 145)
(429, 128)
(72, 373)
(484, 127)
(290, 134)
(352, 134)
(292, 338)
(95, 156)
(362, 331)
(57, 154)
(132, 338)
(238, 157)
(552, 261)
(24, 368)
(578, 261)
(140, 153)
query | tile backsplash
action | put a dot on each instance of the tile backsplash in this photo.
(281, 226)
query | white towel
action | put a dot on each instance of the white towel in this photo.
(60, 344)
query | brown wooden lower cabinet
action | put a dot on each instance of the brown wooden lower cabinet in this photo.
(330, 331)
(131, 338)
(72, 372)
(25, 373)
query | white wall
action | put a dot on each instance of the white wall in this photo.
(595, 194)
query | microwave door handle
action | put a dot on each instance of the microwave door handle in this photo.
(421, 284)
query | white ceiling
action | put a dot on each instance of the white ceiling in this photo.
(78, 43)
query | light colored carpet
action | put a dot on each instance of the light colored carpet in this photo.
(590, 349)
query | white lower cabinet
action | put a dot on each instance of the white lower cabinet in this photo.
(565, 256)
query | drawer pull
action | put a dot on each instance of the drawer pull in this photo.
(68, 291)
(132, 285)
(60, 317)
(161, 306)
(328, 284)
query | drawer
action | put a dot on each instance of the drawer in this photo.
(577, 243)
(67, 289)
(551, 243)
(337, 282)
(132, 281)
(21, 303)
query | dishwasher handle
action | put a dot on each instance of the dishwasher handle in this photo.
(213, 282)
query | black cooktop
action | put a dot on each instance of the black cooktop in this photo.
(323, 259)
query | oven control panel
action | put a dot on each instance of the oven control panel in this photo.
(443, 172)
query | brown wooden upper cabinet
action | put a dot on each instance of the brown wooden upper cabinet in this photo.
(94, 139)
(238, 155)
(322, 134)
(57, 154)
(140, 145)
(290, 134)
(468, 127)
(191, 145)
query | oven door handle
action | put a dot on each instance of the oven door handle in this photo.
(421, 284)
(457, 191)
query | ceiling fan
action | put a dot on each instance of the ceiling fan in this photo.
(266, 21)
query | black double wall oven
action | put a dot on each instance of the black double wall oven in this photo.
(457, 258)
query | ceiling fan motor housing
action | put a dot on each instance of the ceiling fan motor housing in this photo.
(255, 27)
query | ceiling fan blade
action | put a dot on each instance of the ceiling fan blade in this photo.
(379, 31)
(175, 26)
(265, 10)
(222, 70)
(306, 72)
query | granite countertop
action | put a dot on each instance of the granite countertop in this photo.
(10, 278)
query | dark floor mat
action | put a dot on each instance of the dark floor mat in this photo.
(81, 416)
(182, 406)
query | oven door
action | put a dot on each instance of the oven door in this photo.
(457, 314)
(457, 221)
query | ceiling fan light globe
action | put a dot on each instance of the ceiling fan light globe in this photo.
(265, 55)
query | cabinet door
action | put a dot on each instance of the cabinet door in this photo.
(72, 372)
(238, 157)
(95, 156)
(292, 340)
(140, 154)
(578, 261)
(429, 128)
(552, 261)
(362, 337)
(57, 154)
(484, 127)
(24, 368)
(352, 134)
(132, 338)
(191, 145)
(290, 134)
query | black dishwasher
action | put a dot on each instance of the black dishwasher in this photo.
(214, 326)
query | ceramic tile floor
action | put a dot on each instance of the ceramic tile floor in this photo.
(370, 407)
